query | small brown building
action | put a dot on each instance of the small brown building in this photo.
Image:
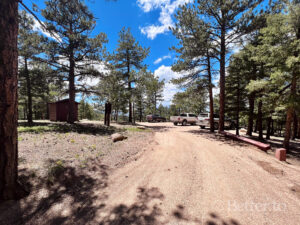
(59, 111)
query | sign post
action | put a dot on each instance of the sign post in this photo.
(107, 114)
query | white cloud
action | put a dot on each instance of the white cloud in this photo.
(95, 65)
(167, 8)
(39, 28)
(92, 81)
(148, 5)
(159, 60)
(166, 73)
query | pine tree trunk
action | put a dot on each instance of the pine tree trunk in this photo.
(259, 120)
(133, 112)
(256, 125)
(72, 116)
(211, 97)
(129, 103)
(141, 112)
(298, 136)
(129, 88)
(290, 114)
(9, 187)
(47, 111)
(269, 128)
(222, 78)
(24, 112)
(154, 102)
(280, 128)
(272, 127)
(251, 114)
(295, 126)
(237, 131)
(117, 115)
(29, 96)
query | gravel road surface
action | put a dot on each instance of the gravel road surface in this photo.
(188, 176)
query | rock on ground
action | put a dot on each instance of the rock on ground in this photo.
(117, 137)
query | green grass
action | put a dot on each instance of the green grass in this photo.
(20, 139)
(135, 129)
(35, 129)
(92, 147)
(66, 129)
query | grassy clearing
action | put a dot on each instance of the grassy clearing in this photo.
(136, 129)
(67, 128)
(35, 129)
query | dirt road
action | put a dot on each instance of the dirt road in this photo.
(191, 177)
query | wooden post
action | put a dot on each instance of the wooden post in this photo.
(107, 114)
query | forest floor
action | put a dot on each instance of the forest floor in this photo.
(161, 175)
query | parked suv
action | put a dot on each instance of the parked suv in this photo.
(203, 121)
(155, 118)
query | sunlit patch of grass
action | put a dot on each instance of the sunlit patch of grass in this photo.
(20, 139)
(83, 163)
(92, 147)
(136, 129)
(35, 129)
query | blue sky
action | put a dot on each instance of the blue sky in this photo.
(149, 21)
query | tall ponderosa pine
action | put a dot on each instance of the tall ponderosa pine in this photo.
(9, 187)
(238, 72)
(279, 49)
(29, 45)
(147, 93)
(153, 90)
(228, 20)
(44, 88)
(193, 99)
(128, 56)
(196, 52)
(74, 52)
(111, 89)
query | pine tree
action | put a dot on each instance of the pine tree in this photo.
(74, 52)
(279, 49)
(192, 100)
(111, 89)
(228, 20)
(9, 186)
(153, 91)
(43, 81)
(236, 93)
(128, 56)
(29, 45)
(196, 52)
(85, 110)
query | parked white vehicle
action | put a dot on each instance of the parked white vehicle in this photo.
(184, 119)
(203, 121)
